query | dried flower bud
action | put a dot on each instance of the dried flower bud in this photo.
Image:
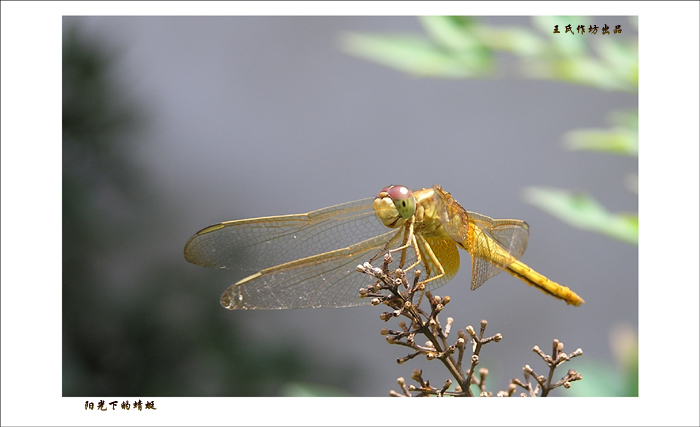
(471, 332)
(376, 301)
(498, 337)
(555, 346)
(484, 394)
(385, 331)
(475, 359)
(401, 381)
(445, 300)
(385, 316)
(483, 372)
(536, 349)
(567, 385)
(448, 325)
(483, 324)
(460, 342)
(360, 268)
(430, 355)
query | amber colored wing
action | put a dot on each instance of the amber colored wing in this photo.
(493, 244)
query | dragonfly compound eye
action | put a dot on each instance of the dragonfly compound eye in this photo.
(403, 200)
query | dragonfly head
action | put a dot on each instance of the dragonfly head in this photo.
(394, 205)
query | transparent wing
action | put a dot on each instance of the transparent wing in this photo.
(324, 280)
(305, 260)
(252, 245)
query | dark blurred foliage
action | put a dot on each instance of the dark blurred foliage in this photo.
(141, 328)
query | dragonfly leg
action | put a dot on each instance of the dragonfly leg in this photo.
(431, 255)
(433, 259)
(408, 240)
(416, 249)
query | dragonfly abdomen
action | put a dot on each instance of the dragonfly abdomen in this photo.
(533, 278)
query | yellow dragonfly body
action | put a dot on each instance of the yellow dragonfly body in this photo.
(309, 260)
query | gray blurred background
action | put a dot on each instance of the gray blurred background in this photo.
(172, 124)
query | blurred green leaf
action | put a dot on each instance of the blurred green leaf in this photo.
(451, 33)
(621, 57)
(616, 141)
(417, 55)
(582, 211)
(622, 139)
(518, 41)
(585, 70)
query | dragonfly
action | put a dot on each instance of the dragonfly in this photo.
(310, 259)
